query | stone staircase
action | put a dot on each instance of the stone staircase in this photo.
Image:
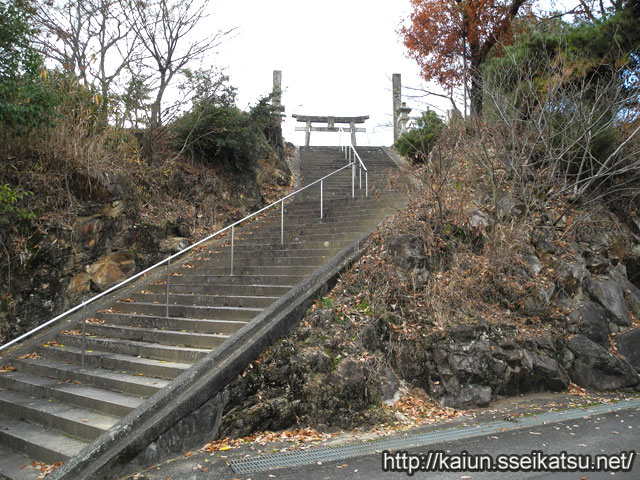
(51, 407)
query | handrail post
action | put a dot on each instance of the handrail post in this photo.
(282, 222)
(233, 228)
(321, 198)
(366, 183)
(84, 327)
(360, 173)
(166, 313)
(353, 180)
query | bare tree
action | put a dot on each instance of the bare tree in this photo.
(166, 30)
(112, 33)
(65, 34)
(90, 38)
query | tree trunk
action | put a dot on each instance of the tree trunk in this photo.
(148, 147)
(476, 93)
(156, 106)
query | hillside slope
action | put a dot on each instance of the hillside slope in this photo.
(88, 226)
(463, 297)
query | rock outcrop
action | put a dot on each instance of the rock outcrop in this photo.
(596, 368)
(628, 344)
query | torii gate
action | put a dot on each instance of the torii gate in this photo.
(330, 121)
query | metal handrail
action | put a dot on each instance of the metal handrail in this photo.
(353, 149)
(351, 154)
(167, 260)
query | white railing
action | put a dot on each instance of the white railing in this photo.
(167, 261)
(351, 155)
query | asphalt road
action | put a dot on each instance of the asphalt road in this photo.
(608, 433)
(604, 434)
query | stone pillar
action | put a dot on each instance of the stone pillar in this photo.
(307, 134)
(397, 105)
(352, 125)
(277, 91)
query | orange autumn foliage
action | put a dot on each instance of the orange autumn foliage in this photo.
(441, 34)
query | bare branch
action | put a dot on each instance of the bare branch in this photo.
(164, 28)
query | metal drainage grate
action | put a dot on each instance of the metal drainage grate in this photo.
(341, 452)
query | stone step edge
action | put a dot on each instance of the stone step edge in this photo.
(70, 371)
(59, 447)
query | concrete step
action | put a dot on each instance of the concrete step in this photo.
(299, 224)
(263, 270)
(358, 200)
(189, 311)
(116, 362)
(72, 420)
(372, 166)
(344, 209)
(267, 291)
(297, 229)
(277, 253)
(176, 298)
(201, 278)
(270, 245)
(154, 335)
(335, 219)
(301, 234)
(129, 383)
(254, 260)
(335, 208)
(136, 348)
(16, 466)
(336, 192)
(47, 445)
(193, 325)
(346, 205)
(264, 238)
(344, 181)
(112, 403)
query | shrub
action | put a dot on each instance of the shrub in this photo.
(216, 131)
(10, 211)
(565, 101)
(25, 99)
(418, 142)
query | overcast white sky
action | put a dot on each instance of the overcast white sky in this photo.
(336, 57)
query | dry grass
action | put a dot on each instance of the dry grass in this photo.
(476, 272)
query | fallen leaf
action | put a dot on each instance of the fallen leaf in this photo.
(33, 356)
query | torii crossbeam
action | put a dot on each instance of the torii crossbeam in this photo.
(330, 121)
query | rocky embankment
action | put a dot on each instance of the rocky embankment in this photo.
(563, 309)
